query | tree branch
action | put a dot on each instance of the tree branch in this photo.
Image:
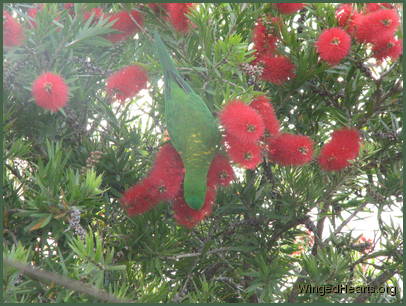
(378, 103)
(369, 256)
(196, 254)
(346, 221)
(15, 172)
(295, 291)
(320, 227)
(377, 282)
(278, 232)
(72, 284)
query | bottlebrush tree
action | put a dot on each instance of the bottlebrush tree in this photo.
(307, 103)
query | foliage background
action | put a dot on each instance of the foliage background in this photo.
(256, 246)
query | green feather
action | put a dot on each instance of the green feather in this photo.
(168, 66)
(192, 128)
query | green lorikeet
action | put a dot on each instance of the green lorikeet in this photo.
(192, 128)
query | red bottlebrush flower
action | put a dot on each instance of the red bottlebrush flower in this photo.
(163, 183)
(32, 13)
(344, 146)
(13, 34)
(96, 11)
(177, 16)
(391, 48)
(330, 160)
(154, 6)
(262, 105)
(348, 141)
(127, 23)
(289, 8)
(68, 5)
(165, 189)
(264, 42)
(50, 91)
(376, 26)
(368, 244)
(70, 8)
(140, 198)
(220, 172)
(277, 21)
(290, 150)
(247, 155)
(242, 121)
(127, 82)
(333, 45)
(188, 217)
(259, 36)
(167, 172)
(346, 14)
(372, 7)
(157, 7)
(168, 158)
(277, 70)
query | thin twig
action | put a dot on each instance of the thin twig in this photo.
(320, 227)
(369, 256)
(283, 229)
(15, 172)
(345, 222)
(183, 291)
(295, 288)
(383, 75)
(378, 103)
(13, 236)
(377, 282)
(195, 254)
(63, 281)
(229, 281)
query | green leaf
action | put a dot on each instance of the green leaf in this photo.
(39, 223)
